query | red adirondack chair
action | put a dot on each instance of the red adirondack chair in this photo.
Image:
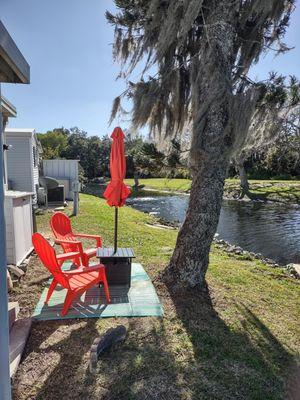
(62, 230)
(76, 281)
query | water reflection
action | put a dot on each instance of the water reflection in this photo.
(267, 228)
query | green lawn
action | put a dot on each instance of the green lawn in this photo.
(238, 340)
(179, 185)
(274, 190)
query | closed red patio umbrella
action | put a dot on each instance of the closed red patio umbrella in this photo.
(117, 192)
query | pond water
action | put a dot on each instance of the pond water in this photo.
(267, 228)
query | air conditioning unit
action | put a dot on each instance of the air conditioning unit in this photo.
(56, 196)
(66, 184)
(42, 196)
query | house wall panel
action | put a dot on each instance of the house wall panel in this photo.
(22, 171)
(19, 171)
(63, 170)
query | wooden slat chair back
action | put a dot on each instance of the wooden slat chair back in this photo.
(62, 230)
(48, 257)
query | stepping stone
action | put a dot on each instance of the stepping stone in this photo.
(18, 272)
(102, 344)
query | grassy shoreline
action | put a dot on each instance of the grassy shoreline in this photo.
(237, 340)
(273, 190)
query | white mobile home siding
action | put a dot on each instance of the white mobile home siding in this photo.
(35, 168)
(22, 174)
(19, 170)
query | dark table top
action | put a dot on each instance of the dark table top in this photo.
(108, 252)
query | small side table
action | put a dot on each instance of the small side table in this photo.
(117, 265)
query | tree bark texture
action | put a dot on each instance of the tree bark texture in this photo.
(212, 142)
(191, 256)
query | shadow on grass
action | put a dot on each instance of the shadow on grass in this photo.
(54, 353)
(291, 194)
(189, 354)
(242, 362)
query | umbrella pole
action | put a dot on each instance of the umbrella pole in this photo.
(116, 230)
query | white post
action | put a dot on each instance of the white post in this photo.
(76, 189)
(5, 391)
(75, 203)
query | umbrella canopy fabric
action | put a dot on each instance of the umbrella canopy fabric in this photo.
(117, 192)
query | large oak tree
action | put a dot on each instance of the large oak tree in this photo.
(197, 53)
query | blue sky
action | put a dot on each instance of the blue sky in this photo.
(68, 46)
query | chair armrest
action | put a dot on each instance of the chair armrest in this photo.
(87, 236)
(85, 270)
(65, 241)
(77, 243)
(68, 256)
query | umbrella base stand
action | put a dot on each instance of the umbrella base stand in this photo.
(118, 272)
(117, 265)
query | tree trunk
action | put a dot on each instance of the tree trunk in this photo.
(243, 178)
(212, 143)
(245, 188)
(136, 180)
(190, 259)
